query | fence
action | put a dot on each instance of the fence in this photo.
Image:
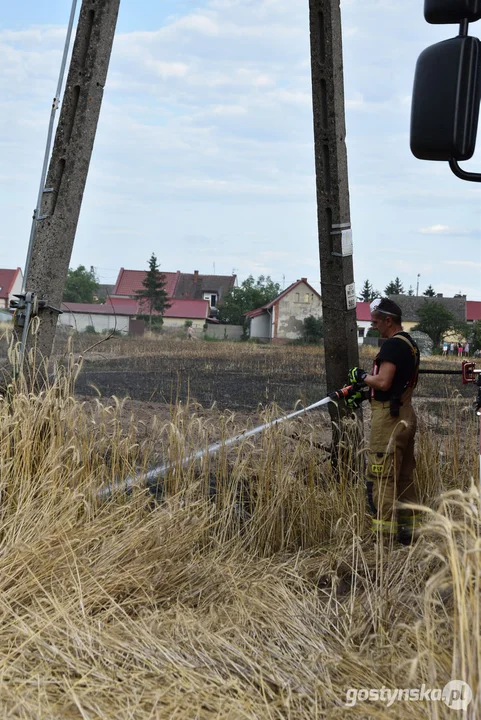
(224, 332)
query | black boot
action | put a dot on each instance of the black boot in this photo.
(408, 527)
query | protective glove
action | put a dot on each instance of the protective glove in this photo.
(357, 375)
(358, 395)
(354, 401)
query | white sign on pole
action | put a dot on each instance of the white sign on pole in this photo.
(351, 296)
(346, 242)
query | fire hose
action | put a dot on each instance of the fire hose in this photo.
(152, 477)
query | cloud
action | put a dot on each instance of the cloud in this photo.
(291, 97)
(463, 263)
(448, 231)
(229, 110)
(436, 230)
(206, 133)
(356, 102)
(273, 255)
(167, 69)
(199, 23)
(401, 251)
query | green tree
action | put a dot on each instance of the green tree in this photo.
(436, 321)
(81, 285)
(474, 336)
(410, 291)
(429, 292)
(368, 293)
(153, 296)
(250, 295)
(313, 329)
(395, 287)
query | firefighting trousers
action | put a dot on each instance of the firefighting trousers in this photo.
(391, 465)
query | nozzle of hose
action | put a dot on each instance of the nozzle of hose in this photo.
(344, 392)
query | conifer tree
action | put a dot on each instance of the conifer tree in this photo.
(368, 293)
(395, 287)
(153, 296)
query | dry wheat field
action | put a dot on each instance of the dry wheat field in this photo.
(247, 586)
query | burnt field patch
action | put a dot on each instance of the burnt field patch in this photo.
(228, 390)
(231, 375)
(234, 376)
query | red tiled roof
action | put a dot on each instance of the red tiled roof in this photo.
(189, 309)
(362, 311)
(473, 310)
(255, 313)
(118, 301)
(7, 278)
(129, 281)
(124, 307)
(259, 311)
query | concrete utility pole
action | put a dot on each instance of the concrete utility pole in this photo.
(334, 225)
(48, 261)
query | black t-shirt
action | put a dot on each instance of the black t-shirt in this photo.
(404, 357)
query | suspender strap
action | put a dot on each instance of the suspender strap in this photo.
(415, 351)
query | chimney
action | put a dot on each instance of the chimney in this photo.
(439, 295)
(304, 280)
(196, 276)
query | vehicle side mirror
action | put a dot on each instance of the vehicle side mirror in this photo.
(446, 98)
(441, 12)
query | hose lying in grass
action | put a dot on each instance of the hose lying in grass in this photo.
(152, 477)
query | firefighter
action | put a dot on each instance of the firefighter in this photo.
(391, 460)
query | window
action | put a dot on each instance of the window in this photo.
(297, 297)
(361, 332)
(306, 298)
(212, 298)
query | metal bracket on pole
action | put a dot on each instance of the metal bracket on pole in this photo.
(463, 174)
(26, 307)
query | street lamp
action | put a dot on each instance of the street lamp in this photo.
(417, 285)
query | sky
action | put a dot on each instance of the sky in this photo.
(204, 152)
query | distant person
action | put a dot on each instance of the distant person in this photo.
(451, 348)
(466, 349)
(190, 333)
(445, 348)
(460, 350)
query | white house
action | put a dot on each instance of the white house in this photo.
(79, 316)
(119, 314)
(363, 318)
(282, 319)
(10, 285)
